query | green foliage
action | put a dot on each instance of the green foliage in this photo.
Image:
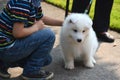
(59, 3)
(115, 14)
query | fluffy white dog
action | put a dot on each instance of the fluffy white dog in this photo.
(78, 39)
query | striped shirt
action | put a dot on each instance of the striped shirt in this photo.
(16, 11)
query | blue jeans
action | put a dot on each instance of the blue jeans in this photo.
(32, 52)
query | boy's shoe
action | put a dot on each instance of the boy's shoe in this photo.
(105, 37)
(42, 75)
(4, 73)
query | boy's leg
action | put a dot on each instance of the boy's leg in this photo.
(35, 48)
(23, 48)
(40, 58)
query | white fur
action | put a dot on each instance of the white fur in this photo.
(78, 38)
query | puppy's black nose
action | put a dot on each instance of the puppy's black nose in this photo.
(79, 40)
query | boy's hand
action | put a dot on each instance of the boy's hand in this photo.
(39, 25)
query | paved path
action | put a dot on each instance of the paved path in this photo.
(108, 57)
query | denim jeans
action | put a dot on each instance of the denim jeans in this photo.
(33, 51)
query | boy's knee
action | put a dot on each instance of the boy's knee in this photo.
(50, 34)
(43, 35)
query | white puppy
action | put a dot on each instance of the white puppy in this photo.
(78, 39)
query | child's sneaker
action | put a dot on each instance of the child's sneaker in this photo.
(42, 75)
(4, 73)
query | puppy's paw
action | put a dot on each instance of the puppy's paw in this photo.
(93, 60)
(69, 66)
(89, 64)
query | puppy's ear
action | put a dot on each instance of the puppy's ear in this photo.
(90, 22)
(70, 21)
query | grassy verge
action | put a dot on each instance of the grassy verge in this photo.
(115, 15)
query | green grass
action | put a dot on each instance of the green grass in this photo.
(115, 15)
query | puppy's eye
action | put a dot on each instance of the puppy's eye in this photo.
(83, 31)
(74, 30)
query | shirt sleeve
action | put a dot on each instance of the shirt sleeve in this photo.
(19, 12)
(39, 13)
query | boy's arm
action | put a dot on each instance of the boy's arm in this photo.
(51, 21)
(19, 31)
